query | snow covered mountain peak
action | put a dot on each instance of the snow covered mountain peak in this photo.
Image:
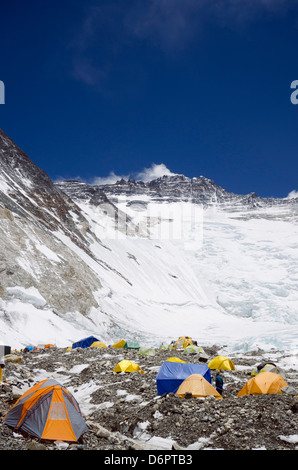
(79, 259)
(176, 188)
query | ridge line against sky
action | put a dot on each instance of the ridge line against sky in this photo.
(146, 175)
(104, 88)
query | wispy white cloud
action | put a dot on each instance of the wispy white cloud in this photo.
(97, 43)
(155, 171)
(108, 30)
(87, 71)
(292, 195)
(147, 174)
(173, 25)
(169, 25)
(110, 179)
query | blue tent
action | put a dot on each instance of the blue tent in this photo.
(172, 374)
(85, 342)
(29, 348)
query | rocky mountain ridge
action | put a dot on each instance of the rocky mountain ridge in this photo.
(27, 191)
(169, 188)
(71, 252)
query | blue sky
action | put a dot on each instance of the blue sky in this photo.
(138, 88)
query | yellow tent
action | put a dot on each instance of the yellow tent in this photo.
(98, 344)
(198, 386)
(221, 363)
(183, 342)
(128, 366)
(175, 359)
(266, 368)
(264, 383)
(119, 344)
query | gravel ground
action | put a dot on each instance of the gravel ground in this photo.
(123, 411)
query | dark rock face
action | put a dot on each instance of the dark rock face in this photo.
(82, 191)
(29, 192)
(168, 188)
(33, 209)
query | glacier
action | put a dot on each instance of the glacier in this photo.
(149, 261)
(234, 285)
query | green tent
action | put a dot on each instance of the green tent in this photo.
(192, 349)
(131, 345)
(165, 347)
(147, 351)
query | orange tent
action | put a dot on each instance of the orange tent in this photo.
(266, 382)
(47, 411)
(198, 386)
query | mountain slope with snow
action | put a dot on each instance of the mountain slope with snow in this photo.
(152, 261)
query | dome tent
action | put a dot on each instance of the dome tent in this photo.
(131, 345)
(165, 347)
(30, 348)
(221, 363)
(175, 359)
(198, 386)
(119, 344)
(85, 342)
(266, 367)
(172, 374)
(47, 411)
(182, 342)
(98, 344)
(147, 351)
(193, 349)
(264, 383)
(128, 366)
